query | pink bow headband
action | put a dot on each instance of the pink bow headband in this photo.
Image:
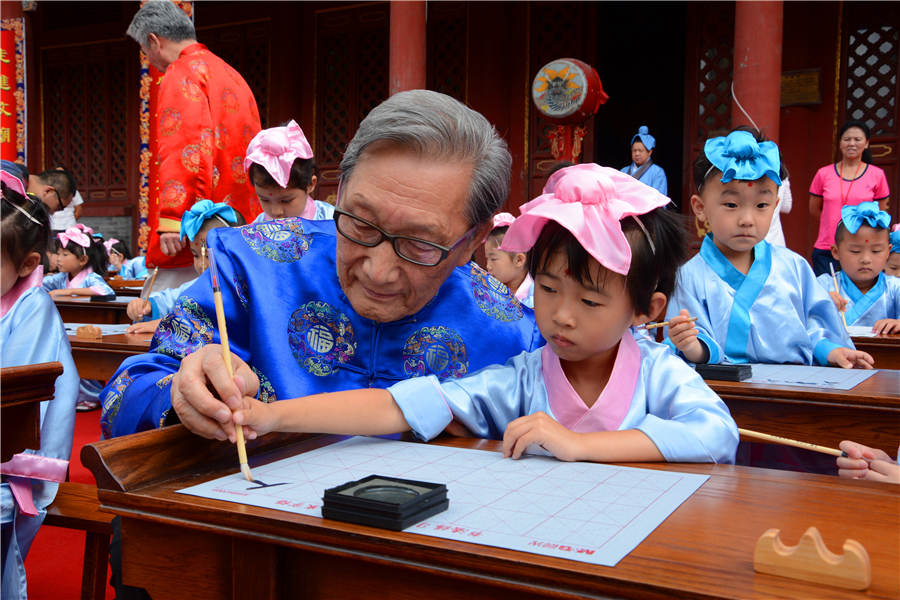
(75, 235)
(503, 219)
(590, 201)
(108, 244)
(275, 149)
(12, 182)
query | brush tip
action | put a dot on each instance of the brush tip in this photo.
(245, 471)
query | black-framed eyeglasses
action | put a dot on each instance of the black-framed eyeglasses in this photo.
(412, 249)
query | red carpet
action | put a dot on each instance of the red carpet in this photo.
(54, 562)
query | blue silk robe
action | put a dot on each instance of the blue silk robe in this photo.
(135, 268)
(290, 321)
(163, 302)
(60, 281)
(880, 302)
(30, 333)
(654, 176)
(671, 404)
(776, 313)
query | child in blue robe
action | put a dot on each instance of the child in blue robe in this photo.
(203, 217)
(865, 294)
(754, 302)
(82, 266)
(892, 266)
(509, 268)
(280, 165)
(121, 263)
(603, 256)
(31, 332)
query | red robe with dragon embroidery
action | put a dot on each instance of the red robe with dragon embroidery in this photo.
(205, 117)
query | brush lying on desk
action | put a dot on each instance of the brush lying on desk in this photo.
(837, 290)
(663, 324)
(226, 354)
(789, 442)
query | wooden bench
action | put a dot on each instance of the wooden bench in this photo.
(76, 507)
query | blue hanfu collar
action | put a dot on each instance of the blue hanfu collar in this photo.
(860, 303)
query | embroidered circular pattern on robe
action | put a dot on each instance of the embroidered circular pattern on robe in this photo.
(200, 69)
(191, 90)
(436, 351)
(320, 337)
(215, 177)
(248, 134)
(207, 139)
(230, 101)
(221, 137)
(281, 241)
(190, 157)
(112, 400)
(183, 330)
(242, 290)
(172, 194)
(169, 122)
(237, 170)
(266, 390)
(493, 298)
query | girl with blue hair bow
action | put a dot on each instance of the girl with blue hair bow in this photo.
(754, 302)
(862, 245)
(195, 224)
(892, 266)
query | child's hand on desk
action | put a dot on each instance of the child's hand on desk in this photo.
(684, 335)
(540, 428)
(257, 418)
(200, 383)
(60, 293)
(885, 326)
(846, 358)
(138, 308)
(144, 327)
(839, 301)
(863, 462)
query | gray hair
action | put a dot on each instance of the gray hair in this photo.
(437, 126)
(164, 19)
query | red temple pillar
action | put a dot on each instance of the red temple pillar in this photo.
(757, 65)
(407, 62)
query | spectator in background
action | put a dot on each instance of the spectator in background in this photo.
(784, 204)
(642, 167)
(54, 188)
(67, 217)
(206, 116)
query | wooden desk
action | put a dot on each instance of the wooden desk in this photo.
(99, 360)
(126, 287)
(868, 413)
(885, 349)
(80, 309)
(24, 388)
(181, 546)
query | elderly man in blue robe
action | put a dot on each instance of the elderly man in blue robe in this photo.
(382, 293)
(642, 166)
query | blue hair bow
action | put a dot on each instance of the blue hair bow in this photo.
(864, 213)
(647, 140)
(201, 212)
(740, 156)
(895, 241)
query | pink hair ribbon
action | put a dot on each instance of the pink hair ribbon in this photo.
(12, 182)
(275, 149)
(503, 219)
(75, 235)
(108, 244)
(589, 201)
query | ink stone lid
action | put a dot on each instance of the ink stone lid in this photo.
(387, 502)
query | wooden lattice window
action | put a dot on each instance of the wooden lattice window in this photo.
(85, 117)
(872, 55)
(446, 54)
(244, 46)
(351, 79)
(715, 70)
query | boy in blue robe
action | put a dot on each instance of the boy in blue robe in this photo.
(865, 294)
(753, 302)
(642, 166)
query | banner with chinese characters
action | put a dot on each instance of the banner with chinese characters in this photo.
(12, 90)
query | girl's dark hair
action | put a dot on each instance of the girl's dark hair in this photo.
(867, 153)
(650, 271)
(96, 253)
(122, 249)
(20, 236)
(499, 232)
(302, 172)
(702, 164)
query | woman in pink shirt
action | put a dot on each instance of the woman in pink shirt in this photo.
(850, 181)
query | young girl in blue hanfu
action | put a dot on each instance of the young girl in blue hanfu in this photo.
(82, 265)
(754, 302)
(31, 332)
(281, 168)
(195, 224)
(603, 257)
(509, 268)
(862, 245)
(892, 266)
(121, 263)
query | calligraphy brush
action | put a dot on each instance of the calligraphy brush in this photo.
(145, 293)
(838, 291)
(789, 442)
(226, 354)
(663, 324)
